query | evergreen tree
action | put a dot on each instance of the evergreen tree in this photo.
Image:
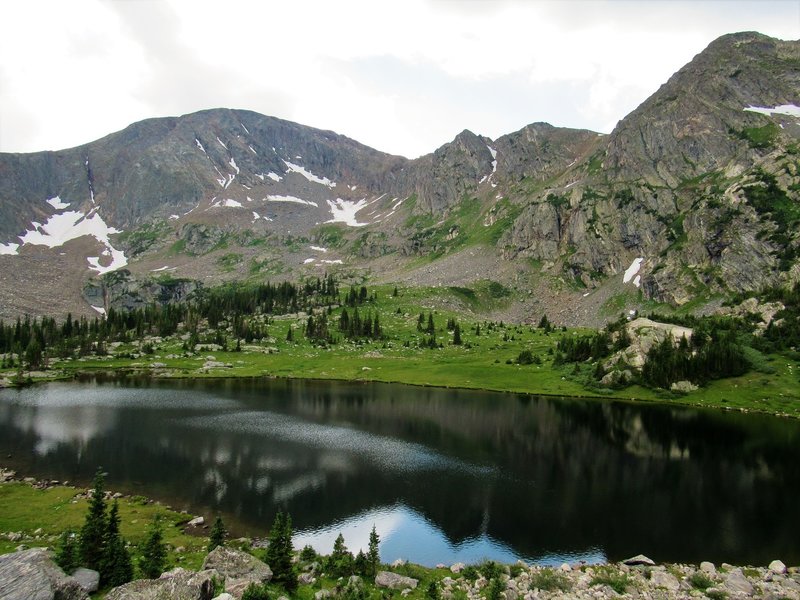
(218, 534)
(93, 532)
(154, 552)
(456, 335)
(360, 565)
(373, 555)
(116, 567)
(279, 552)
(340, 562)
(67, 552)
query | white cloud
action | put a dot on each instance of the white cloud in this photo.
(90, 67)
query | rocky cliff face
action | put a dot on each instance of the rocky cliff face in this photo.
(692, 196)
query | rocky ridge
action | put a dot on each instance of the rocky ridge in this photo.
(699, 185)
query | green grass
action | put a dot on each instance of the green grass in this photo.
(610, 576)
(486, 361)
(26, 509)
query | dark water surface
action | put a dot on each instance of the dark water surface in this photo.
(444, 475)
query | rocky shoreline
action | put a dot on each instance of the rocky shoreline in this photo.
(30, 573)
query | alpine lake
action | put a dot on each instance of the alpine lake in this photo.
(444, 475)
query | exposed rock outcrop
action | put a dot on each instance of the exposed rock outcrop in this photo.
(32, 575)
(178, 584)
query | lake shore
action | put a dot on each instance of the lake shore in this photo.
(47, 502)
(721, 395)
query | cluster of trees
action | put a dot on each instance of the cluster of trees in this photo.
(340, 563)
(783, 333)
(31, 342)
(100, 546)
(716, 358)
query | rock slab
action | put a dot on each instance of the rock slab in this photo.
(32, 575)
(239, 569)
(88, 579)
(393, 581)
(178, 584)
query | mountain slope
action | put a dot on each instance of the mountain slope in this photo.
(693, 196)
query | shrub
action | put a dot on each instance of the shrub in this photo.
(548, 580)
(256, 591)
(700, 581)
(615, 580)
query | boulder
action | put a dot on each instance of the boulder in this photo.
(708, 568)
(224, 596)
(662, 579)
(178, 584)
(393, 581)
(639, 559)
(735, 582)
(399, 562)
(457, 567)
(32, 575)
(306, 578)
(239, 568)
(88, 579)
(196, 522)
(777, 567)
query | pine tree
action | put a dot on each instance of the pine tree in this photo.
(373, 555)
(279, 552)
(67, 552)
(360, 565)
(218, 534)
(457, 335)
(154, 552)
(93, 532)
(340, 562)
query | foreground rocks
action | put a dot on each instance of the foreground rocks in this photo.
(32, 575)
(178, 584)
(238, 569)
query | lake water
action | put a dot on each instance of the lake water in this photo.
(444, 475)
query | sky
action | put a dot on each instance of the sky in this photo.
(402, 76)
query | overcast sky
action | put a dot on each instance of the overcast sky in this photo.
(402, 76)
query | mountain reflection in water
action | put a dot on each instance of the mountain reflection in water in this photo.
(445, 475)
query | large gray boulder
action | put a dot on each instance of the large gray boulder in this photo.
(393, 581)
(735, 582)
(178, 584)
(239, 569)
(88, 579)
(32, 575)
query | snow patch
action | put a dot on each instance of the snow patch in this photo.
(332, 262)
(319, 248)
(164, 268)
(397, 204)
(199, 145)
(784, 109)
(99, 309)
(57, 203)
(174, 217)
(247, 187)
(494, 158)
(221, 143)
(275, 198)
(637, 280)
(232, 163)
(308, 260)
(252, 150)
(273, 176)
(10, 248)
(226, 204)
(245, 128)
(293, 168)
(631, 271)
(344, 211)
